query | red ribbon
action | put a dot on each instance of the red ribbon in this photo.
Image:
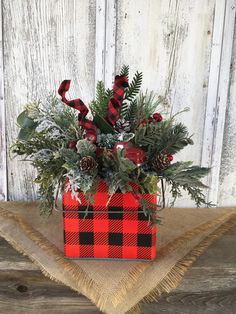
(121, 82)
(78, 104)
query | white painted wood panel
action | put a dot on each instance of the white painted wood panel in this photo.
(106, 11)
(100, 40)
(3, 155)
(45, 42)
(170, 41)
(227, 186)
(218, 93)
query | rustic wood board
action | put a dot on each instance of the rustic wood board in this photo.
(227, 188)
(171, 44)
(44, 43)
(208, 287)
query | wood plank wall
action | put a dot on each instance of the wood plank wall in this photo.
(183, 48)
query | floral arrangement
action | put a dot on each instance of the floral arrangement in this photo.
(127, 140)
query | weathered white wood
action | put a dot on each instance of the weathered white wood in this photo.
(100, 40)
(45, 42)
(170, 41)
(3, 160)
(218, 92)
(227, 187)
(110, 44)
(105, 41)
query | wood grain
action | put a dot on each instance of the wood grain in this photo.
(45, 42)
(110, 43)
(208, 287)
(3, 154)
(218, 93)
(227, 185)
(100, 40)
(170, 41)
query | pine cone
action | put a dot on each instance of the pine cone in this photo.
(122, 125)
(87, 163)
(161, 162)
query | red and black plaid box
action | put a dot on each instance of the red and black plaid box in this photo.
(119, 230)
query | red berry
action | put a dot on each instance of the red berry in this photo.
(72, 144)
(90, 137)
(157, 117)
(170, 157)
(144, 122)
(150, 119)
(99, 151)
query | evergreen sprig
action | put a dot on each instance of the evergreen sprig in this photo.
(120, 169)
(176, 139)
(182, 175)
(124, 70)
(100, 104)
(134, 86)
(131, 114)
(164, 137)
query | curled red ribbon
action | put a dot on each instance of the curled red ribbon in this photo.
(121, 82)
(88, 125)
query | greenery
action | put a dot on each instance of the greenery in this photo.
(99, 106)
(51, 138)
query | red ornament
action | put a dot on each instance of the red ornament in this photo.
(170, 157)
(150, 119)
(137, 155)
(157, 117)
(72, 144)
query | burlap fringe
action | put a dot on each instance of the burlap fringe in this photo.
(91, 290)
(127, 283)
(135, 310)
(175, 275)
(168, 283)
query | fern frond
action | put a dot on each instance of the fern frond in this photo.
(134, 86)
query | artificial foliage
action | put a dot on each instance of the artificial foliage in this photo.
(127, 143)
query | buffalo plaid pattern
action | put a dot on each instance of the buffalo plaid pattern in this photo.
(121, 82)
(88, 125)
(119, 230)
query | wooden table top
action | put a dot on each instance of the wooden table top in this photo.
(208, 287)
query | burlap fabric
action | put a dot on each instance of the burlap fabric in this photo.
(116, 286)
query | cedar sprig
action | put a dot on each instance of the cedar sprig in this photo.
(182, 175)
